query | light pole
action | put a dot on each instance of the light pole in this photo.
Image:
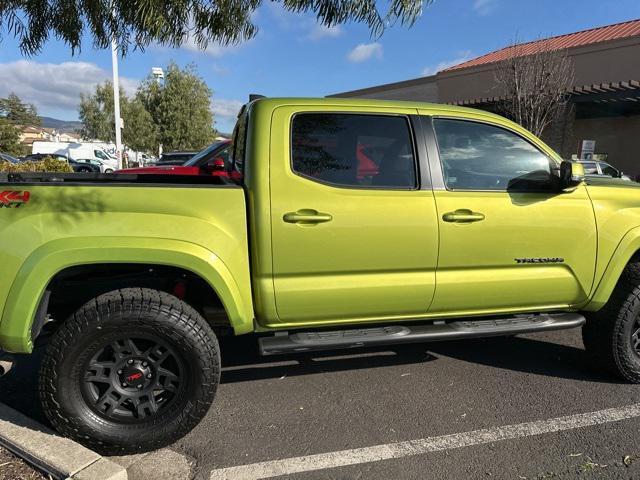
(158, 74)
(116, 100)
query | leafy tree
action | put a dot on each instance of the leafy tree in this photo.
(17, 112)
(137, 23)
(96, 114)
(10, 139)
(180, 108)
(139, 132)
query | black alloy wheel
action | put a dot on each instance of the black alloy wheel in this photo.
(132, 379)
(131, 371)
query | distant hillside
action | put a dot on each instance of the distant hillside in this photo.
(68, 126)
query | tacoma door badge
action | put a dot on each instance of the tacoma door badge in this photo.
(540, 260)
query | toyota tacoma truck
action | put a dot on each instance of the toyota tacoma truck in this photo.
(467, 226)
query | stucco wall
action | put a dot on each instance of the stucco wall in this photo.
(619, 137)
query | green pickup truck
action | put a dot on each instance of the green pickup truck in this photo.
(348, 223)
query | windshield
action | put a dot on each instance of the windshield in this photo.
(9, 158)
(193, 161)
(101, 155)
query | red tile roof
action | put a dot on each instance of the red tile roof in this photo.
(570, 40)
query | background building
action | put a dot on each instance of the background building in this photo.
(604, 98)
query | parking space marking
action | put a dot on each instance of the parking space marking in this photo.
(390, 451)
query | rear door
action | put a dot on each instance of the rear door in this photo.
(509, 240)
(355, 231)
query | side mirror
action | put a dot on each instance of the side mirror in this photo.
(215, 165)
(571, 174)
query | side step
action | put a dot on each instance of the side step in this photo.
(282, 342)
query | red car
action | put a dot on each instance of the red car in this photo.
(213, 161)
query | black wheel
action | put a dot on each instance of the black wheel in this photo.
(84, 170)
(132, 370)
(611, 335)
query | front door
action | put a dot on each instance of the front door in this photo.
(354, 238)
(508, 240)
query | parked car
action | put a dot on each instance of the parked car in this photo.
(467, 226)
(36, 157)
(596, 167)
(213, 160)
(104, 168)
(175, 158)
(85, 167)
(5, 157)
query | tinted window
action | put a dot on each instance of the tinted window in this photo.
(354, 150)
(477, 156)
(590, 168)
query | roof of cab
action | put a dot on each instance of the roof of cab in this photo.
(366, 102)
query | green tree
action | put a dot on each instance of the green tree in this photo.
(180, 108)
(138, 23)
(96, 114)
(139, 132)
(10, 139)
(17, 112)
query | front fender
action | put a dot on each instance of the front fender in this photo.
(49, 259)
(628, 246)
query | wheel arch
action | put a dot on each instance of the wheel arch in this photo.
(627, 251)
(30, 286)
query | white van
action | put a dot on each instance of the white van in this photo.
(79, 151)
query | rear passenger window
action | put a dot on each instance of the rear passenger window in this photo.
(367, 151)
(477, 156)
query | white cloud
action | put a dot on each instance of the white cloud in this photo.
(225, 108)
(55, 85)
(318, 32)
(484, 7)
(364, 52)
(433, 69)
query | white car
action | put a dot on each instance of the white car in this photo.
(600, 168)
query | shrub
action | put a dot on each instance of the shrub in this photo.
(48, 164)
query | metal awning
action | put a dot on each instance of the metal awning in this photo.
(625, 91)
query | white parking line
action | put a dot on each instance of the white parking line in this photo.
(377, 453)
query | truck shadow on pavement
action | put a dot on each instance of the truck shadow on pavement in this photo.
(241, 363)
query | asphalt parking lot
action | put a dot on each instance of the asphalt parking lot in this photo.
(367, 403)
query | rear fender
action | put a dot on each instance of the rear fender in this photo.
(44, 263)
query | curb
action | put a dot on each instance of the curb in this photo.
(60, 457)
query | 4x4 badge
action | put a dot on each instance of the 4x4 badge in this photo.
(13, 199)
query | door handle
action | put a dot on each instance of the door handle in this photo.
(463, 216)
(306, 217)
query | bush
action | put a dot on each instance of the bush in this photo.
(48, 164)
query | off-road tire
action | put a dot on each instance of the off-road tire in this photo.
(607, 335)
(135, 312)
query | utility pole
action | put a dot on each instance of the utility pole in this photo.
(116, 99)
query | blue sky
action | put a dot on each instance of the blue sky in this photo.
(293, 56)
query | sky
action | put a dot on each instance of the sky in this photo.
(294, 56)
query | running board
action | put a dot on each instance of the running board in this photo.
(299, 342)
